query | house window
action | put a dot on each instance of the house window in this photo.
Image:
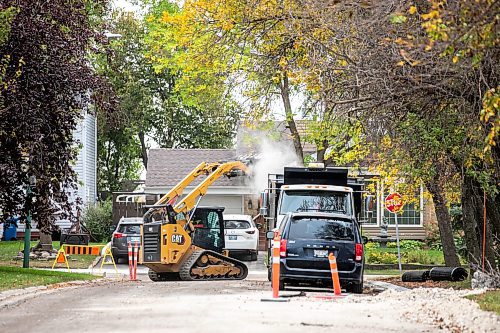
(369, 210)
(370, 203)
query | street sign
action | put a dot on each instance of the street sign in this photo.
(394, 202)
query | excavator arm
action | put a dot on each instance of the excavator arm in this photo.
(172, 195)
(234, 168)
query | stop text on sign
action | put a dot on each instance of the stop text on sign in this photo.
(394, 202)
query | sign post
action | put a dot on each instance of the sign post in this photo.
(394, 203)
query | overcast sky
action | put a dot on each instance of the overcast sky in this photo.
(125, 5)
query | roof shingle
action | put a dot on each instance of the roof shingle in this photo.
(166, 167)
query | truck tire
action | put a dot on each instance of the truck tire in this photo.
(355, 288)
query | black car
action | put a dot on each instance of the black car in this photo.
(306, 241)
(127, 230)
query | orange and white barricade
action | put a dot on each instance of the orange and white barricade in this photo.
(93, 250)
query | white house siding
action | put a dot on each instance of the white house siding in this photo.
(233, 203)
(86, 163)
(85, 166)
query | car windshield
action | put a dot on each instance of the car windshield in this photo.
(130, 229)
(311, 228)
(235, 224)
(319, 201)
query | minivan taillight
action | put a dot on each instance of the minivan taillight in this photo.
(358, 252)
(119, 235)
(283, 248)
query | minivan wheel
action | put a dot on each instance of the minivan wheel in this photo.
(355, 288)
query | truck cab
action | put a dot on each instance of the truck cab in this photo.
(314, 198)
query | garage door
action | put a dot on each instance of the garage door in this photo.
(233, 203)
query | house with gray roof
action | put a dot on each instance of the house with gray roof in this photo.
(167, 167)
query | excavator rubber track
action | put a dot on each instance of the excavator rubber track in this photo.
(209, 266)
(161, 277)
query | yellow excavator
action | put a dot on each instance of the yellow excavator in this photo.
(181, 240)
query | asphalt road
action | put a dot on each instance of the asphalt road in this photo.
(236, 306)
(195, 307)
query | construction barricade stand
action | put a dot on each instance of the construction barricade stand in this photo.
(93, 250)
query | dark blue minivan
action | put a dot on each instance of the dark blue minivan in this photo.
(307, 238)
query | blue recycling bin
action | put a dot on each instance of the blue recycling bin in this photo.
(10, 230)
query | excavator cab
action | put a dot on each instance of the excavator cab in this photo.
(208, 228)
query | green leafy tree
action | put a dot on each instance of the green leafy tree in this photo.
(231, 47)
(47, 83)
(417, 73)
(150, 107)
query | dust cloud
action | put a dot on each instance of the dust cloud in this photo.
(270, 157)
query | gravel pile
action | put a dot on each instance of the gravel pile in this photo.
(445, 308)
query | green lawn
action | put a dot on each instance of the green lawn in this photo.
(488, 301)
(425, 257)
(8, 250)
(382, 271)
(15, 277)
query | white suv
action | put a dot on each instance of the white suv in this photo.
(241, 235)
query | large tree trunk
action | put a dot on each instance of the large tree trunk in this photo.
(472, 207)
(144, 150)
(285, 95)
(444, 223)
(493, 214)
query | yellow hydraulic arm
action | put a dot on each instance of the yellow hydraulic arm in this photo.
(202, 169)
(213, 170)
(189, 201)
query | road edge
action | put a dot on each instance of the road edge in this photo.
(13, 297)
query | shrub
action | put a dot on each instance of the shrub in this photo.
(392, 245)
(407, 245)
(98, 219)
(411, 245)
(432, 235)
(372, 245)
(416, 257)
(381, 258)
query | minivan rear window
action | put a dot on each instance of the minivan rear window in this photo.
(234, 224)
(130, 229)
(312, 228)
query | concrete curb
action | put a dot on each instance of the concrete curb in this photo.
(14, 297)
(381, 286)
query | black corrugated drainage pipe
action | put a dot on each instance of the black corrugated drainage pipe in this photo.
(415, 276)
(448, 274)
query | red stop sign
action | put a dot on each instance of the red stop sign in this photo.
(394, 202)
